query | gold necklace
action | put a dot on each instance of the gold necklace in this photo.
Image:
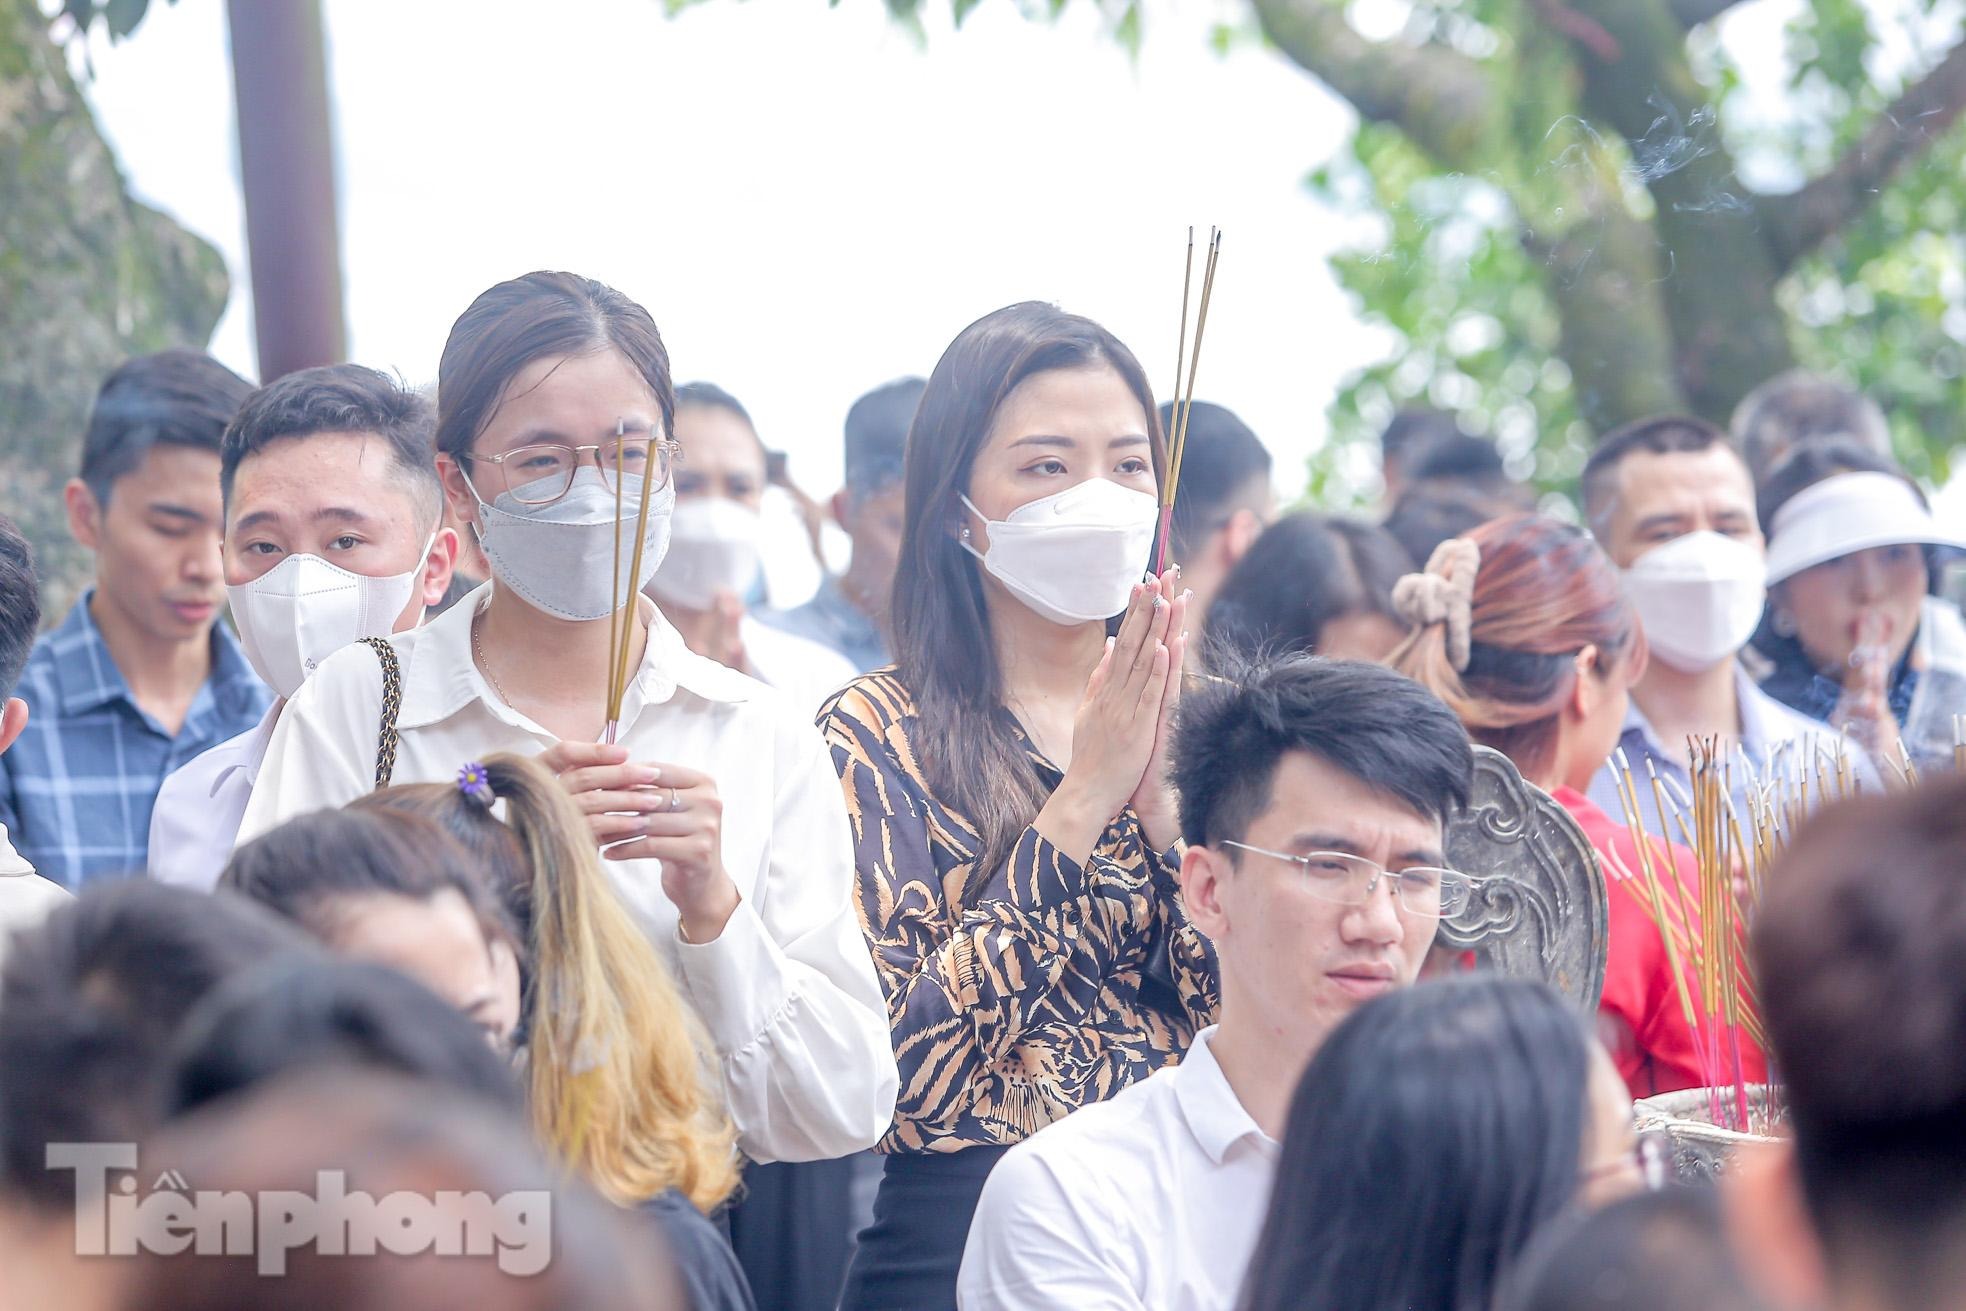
(484, 665)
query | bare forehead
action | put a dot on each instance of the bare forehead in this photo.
(575, 396)
(1091, 405)
(713, 437)
(1311, 794)
(1655, 482)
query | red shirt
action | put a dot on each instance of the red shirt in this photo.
(1641, 1017)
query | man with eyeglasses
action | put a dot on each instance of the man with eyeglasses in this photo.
(1314, 794)
(332, 534)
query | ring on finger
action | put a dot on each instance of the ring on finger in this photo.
(675, 802)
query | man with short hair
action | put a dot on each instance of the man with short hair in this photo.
(1857, 951)
(1672, 504)
(25, 897)
(1314, 795)
(1225, 503)
(849, 613)
(139, 678)
(1797, 407)
(333, 533)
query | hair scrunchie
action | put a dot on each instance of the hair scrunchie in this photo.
(475, 784)
(1443, 594)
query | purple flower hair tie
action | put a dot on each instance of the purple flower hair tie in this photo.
(474, 783)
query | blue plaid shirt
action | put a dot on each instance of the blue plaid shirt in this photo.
(77, 788)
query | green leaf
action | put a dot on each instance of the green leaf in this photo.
(962, 9)
(1127, 30)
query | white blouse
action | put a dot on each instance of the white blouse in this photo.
(787, 991)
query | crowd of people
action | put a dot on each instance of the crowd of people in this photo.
(426, 798)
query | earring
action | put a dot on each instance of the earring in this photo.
(1783, 623)
(965, 534)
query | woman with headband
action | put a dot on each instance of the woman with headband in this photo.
(1854, 633)
(713, 802)
(1521, 627)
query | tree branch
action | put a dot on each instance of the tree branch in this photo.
(1442, 100)
(1692, 13)
(1802, 221)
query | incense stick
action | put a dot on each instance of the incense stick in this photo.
(1184, 401)
(618, 671)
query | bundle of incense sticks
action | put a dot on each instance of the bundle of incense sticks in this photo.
(1704, 926)
(1183, 401)
(623, 619)
(1959, 743)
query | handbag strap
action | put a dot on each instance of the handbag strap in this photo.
(392, 704)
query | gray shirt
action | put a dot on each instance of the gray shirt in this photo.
(831, 620)
(1775, 739)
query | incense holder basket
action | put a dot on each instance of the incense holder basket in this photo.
(1701, 1150)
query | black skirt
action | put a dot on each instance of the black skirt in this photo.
(908, 1258)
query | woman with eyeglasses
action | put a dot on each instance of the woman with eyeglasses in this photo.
(713, 801)
(1522, 628)
(1435, 1132)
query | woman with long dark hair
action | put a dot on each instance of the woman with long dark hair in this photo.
(712, 799)
(1434, 1133)
(1521, 627)
(1014, 824)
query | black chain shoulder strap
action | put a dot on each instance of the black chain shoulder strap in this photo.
(392, 704)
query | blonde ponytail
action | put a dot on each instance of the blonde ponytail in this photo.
(621, 1079)
(619, 1064)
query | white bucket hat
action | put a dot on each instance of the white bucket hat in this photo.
(1850, 512)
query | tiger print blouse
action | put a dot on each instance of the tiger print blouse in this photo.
(1056, 986)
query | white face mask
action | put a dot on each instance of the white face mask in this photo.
(303, 610)
(1699, 597)
(1073, 557)
(713, 547)
(561, 557)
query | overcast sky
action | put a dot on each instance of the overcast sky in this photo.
(807, 199)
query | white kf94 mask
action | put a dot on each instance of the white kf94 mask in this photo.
(713, 547)
(303, 610)
(1699, 597)
(1072, 557)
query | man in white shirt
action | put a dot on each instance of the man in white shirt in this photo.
(1302, 783)
(1672, 504)
(25, 897)
(332, 534)
(714, 555)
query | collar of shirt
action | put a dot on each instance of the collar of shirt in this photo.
(1214, 1114)
(11, 862)
(1762, 724)
(244, 753)
(87, 677)
(443, 677)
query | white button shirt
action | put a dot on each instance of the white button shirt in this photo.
(1153, 1199)
(25, 897)
(787, 991)
(196, 818)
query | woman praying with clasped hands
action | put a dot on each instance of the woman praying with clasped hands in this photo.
(714, 803)
(1016, 833)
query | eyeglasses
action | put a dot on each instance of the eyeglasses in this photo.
(1350, 881)
(1650, 1159)
(541, 475)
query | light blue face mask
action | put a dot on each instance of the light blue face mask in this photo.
(561, 557)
